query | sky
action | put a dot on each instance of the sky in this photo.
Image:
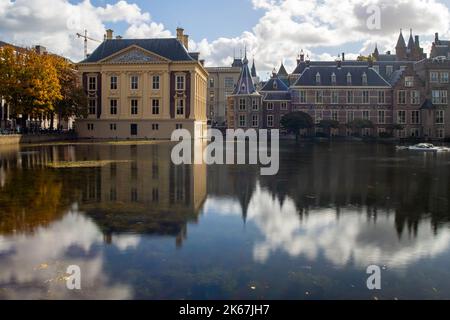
(274, 31)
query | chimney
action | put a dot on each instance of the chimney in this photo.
(119, 37)
(180, 34)
(436, 38)
(109, 34)
(186, 41)
(307, 61)
(388, 52)
(343, 56)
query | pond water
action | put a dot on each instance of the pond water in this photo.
(141, 228)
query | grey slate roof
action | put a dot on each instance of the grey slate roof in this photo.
(282, 72)
(401, 41)
(245, 85)
(277, 96)
(275, 84)
(171, 49)
(440, 51)
(395, 77)
(308, 77)
(428, 104)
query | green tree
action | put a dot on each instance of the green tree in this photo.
(360, 124)
(327, 125)
(296, 121)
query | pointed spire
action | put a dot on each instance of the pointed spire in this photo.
(401, 41)
(245, 56)
(411, 41)
(254, 74)
(282, 72)
(376, 52)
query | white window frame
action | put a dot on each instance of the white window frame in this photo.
(134, 82)
(156, 82)
(270, 123)
(113, 106)
(180, 82)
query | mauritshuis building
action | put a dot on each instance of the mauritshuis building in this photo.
(143, 88)
(405, 93)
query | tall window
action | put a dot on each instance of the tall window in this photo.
(134, 107)
(92, 83)
(113, 106)
(155, 106)
(335, 115)
(366, 115)
(318, 78)
(333, 78)
(255, 106)
(401, 98)
(434, 76)
(319, 116)
(283, 106)
(364, 79)
(134, 82)
(242, 106)
(242, 120)
(155, 83)
(415, 97)
(180, 107)
(211, 82)
(401, 117)
(415, 117)
(439, 116)
(365, 97)
(439, 96)
(381, 97)
(113, 83)
(302, 96)
(270, 106)
(92, 106)
(349, 79)
(350, 116)
(270, 121)
(409, 82)
(319, 96)
(180, 82)
(349, 97)
(381, 117)
(255, 120)
(444, 77)
(229, 83)
(334, 97)
(389, 70)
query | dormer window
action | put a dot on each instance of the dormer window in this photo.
(349, 78)
(333, 78)
(364, 79)
(243, 87)
(318, 78)
(275, 85)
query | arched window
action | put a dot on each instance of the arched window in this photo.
(364, 79)
(318, 78)
(333, 78)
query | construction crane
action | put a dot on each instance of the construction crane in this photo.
(86, 38)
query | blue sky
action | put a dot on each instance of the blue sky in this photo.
(209, 19)
(272, 30)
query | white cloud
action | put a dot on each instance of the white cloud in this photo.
(323, 28)
(54, 23)
(351, 238)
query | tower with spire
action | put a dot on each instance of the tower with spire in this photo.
(245, 102)
(400, 48)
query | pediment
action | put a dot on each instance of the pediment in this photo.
(134, 54)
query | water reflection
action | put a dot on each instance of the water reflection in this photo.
(140, 227)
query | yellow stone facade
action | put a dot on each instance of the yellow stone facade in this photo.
(122, 93)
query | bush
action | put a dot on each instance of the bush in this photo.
(386, 135)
